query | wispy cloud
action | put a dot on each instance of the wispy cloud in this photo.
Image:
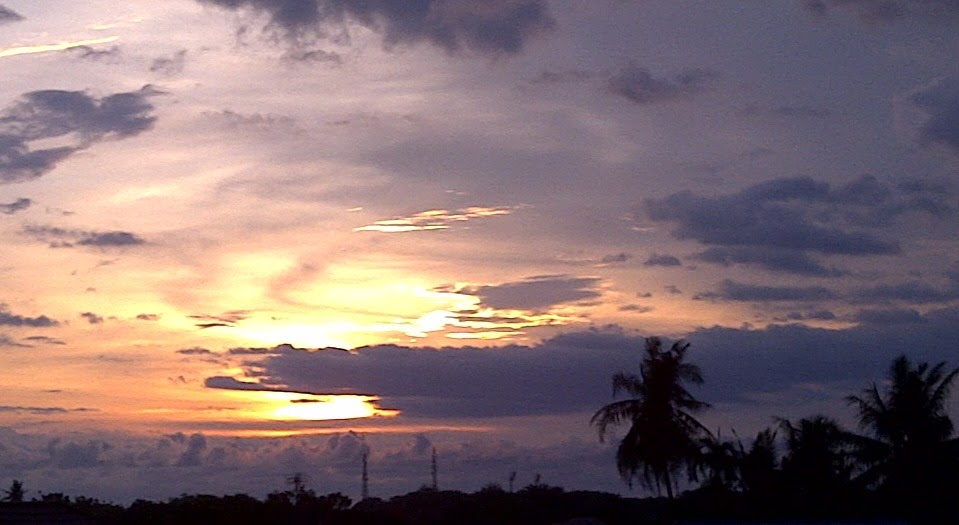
(435, 219)
(48, 48)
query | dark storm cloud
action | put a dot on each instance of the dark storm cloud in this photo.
(10, 319)
(662, 260)
(494, 27)
(571, 373)
(536, 293)
(8, 15)
(733, 291)
(777, 224)
(66, 238)
(889, 10)
(941, 103)
(773, 259)
(638, 85)
(738, 361)
(15, 206)
(50, 114)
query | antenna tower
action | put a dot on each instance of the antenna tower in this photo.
(433, 471)
(365, 491)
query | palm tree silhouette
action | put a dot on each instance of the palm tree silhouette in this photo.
(817, 467)
(910, 453)
(663, 435)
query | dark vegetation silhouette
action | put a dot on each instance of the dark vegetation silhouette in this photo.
(663, 436)
(902, 468)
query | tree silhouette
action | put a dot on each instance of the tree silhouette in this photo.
(663, 436)
(817, 467)
(910, 453)
(15, 493)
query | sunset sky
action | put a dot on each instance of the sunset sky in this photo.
(245, 238)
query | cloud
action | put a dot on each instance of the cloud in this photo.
(229, 383)
(787, 111)
(435, 219)
(195, 351)
(64, 238)
(74, 455)
(888, 317)
(192, 456)
(615, 258)
(147, 317)
(92, 318)
(780, 223)
(15, 206)
(7, 341)
(42, 411)
(738, 361)
(42, 339)
(8, 15)
(662, 260)
(772, 259)
(48, 114)
(886, 11)
(110, 239)
(816, 315)
(915, 292)
(636, 308)
(733, 291)
(171, 65)
(941, 104)
(110, 55)
(9, 319)
(491, 28)
(570, 373)
(536, 293)
(637, 85)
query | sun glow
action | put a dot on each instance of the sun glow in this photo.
(323, 408)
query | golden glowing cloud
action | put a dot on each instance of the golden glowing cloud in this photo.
(435, 219)
(61, 46)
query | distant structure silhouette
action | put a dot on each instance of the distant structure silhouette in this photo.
(436, 485)
(365, 490)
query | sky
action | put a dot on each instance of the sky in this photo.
(247, 238)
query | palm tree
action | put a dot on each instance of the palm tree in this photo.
(663, 435)
(817, 467)
(911, 453)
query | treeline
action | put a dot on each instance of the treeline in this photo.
(533, 505)
(901, 464)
